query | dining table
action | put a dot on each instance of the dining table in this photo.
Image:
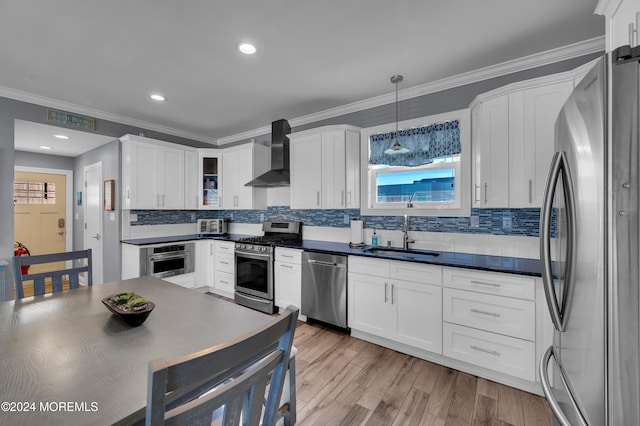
(66, 359)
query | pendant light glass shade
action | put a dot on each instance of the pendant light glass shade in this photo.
(396, 148)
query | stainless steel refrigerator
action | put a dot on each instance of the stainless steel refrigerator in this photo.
(589, 250)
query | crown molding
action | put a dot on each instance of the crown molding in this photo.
(532, 61)
(92, 112)
(539, 59)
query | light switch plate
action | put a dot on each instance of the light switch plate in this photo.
(475, 221)
(112, 216)
(133, 217)
(346, 219)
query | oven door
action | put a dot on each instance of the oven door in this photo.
(161, 265)
(254, 274)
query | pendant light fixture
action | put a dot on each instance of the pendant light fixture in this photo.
(396, 148)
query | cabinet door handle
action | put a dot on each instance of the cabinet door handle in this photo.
(485, 192)
(493, 314)
(211, 250)
(487, 351)
(158, 200)
(342, 198)
(487, 284)
(530, 191)
(128, 194)
(350, 202)
(475, 195)
(162, 200)
(224, 282)
(288, 256)
(393, 288)
(318, 198)
(223, 262)
(284, 265)
(385, 292)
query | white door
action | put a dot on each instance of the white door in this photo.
(93, 217)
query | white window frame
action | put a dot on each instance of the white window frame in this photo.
(462, 206)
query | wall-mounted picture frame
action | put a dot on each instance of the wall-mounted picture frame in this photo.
(109, 190)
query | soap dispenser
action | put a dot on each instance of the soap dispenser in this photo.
(374, 239)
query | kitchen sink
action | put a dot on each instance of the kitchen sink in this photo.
(398, 252)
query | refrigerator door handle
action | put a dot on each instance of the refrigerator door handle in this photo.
(558, 167)
(545, 240)
(548, 392)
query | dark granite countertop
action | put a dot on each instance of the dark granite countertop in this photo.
(177, 238)
(512, 265)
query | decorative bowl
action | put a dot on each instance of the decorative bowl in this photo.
(133, 317)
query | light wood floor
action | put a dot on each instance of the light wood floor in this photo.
(346, 381)
(28, 288)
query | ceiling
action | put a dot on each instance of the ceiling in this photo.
(107, 57)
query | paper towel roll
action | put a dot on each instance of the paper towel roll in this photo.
(356, 232)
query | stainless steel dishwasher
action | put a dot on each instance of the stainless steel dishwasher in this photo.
(324, 288)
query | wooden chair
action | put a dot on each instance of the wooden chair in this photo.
(55, 276)
(239, 382)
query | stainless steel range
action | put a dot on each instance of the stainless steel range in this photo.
(254, 264)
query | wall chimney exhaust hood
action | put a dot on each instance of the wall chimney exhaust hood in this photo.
(279, 173)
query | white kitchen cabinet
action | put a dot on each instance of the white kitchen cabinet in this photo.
(489, 320)
(209, 179)
(190, 180)
(407, 310)
(532, 147)
(224, 268)
(306, 171)
(619, 15)
(325, 168)
(492, 188)
(513, 130)
(240, 165)
(153, 174)
(288, 277)
(204, 263)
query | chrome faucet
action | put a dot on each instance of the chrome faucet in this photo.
(405, 238)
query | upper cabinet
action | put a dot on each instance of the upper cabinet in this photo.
(208, 178)
(621, 22)
(241, 164)
(190, 180)
(152, 173)
(325, 168)
(513, 139)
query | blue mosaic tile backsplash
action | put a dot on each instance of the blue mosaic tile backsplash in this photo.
(522, 222)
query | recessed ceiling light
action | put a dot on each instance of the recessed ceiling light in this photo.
(158, 97)
(61, 136)
(246, 48)
(45, 147)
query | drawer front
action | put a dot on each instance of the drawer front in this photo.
(288, 255)
(504, 315)
(366, 266)
(508, 355)
(491, 283)
(225, 246)
(224, 262)
(416, 272)
(224, 281)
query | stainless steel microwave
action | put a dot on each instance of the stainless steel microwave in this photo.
(212, 226)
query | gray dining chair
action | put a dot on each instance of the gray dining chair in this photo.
(239, 382)
(56, 277)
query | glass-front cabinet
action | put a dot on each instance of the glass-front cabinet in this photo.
(209, 172)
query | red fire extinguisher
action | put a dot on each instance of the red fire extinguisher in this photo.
(21, 250)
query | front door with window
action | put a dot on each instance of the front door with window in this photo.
(40, 214)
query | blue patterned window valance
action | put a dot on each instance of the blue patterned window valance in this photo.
(424, 143)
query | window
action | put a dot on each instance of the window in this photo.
(34, 192)
(433, 178)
